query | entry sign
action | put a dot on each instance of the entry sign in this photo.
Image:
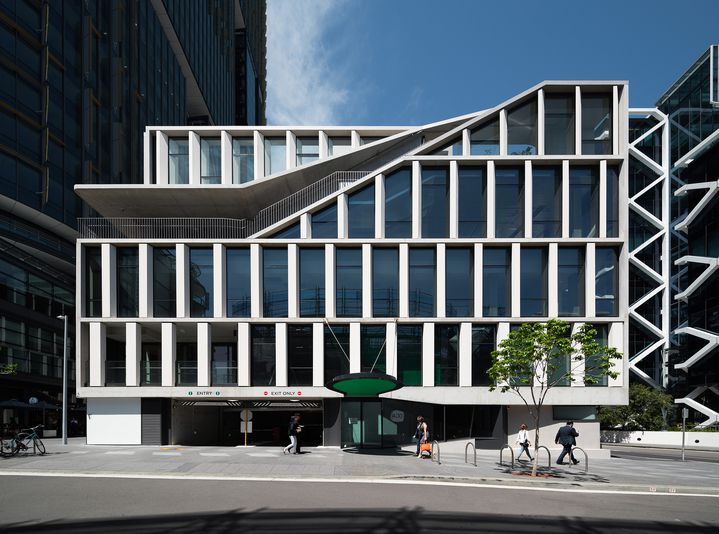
(246, 415)
(249, 427)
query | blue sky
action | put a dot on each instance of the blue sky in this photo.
(396, 62)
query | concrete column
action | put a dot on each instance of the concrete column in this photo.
(259, 164)
(616, 340)
(428, 355)
(379, 206)
(516, 280)
(478, 285)
(466, 144)
(578, 120)
(441, 282)
(219, 280)
(540, 122)
(453, 199)
(133, 351)
(291, 150)
(169, 352)
(98, 354)
(145, 286)
(589, 274)
(243, 354)
(465, 354)
(330, 293)
(109, 280)
(162, 157)
(503, 132)
(305, 226)
(552, 282)
(194, 158)
(615, 118)
(204, 351)
(293, 277)
(281, 355)
(565, 199)
(491, 202)
(182, 271)
(342, 219)
(366, 280)
(527, 198)
(318, 354)
(355, 348)
(146, 159)
(324, 145)
(355, 137)
(256, 280)
(403, 280)
(603, 199)
(226, 158)
(416, 200)
(391, 348)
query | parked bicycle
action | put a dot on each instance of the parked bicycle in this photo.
(23, 441)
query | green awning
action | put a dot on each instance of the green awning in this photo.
(363, 384)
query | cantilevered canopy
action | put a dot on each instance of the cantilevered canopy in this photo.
(363, 384)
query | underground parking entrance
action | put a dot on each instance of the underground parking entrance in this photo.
(222, 422)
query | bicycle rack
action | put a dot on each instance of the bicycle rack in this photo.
(586, 458)
(549, 455)
(511, 451)
(474, 449)
(433, 449)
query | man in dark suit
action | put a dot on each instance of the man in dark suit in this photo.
(567, 437)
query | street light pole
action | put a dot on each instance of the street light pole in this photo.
(64, 380)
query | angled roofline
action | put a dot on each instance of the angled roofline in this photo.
(683, 77)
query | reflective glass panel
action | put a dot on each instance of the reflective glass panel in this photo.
(312, 282)
(446, 355)
(179, 162)
(360, 215)
(571, 281)
(398, 204)
(275, 155)
(533, 290)
(496, 283)
(337, 351)
(373, 356)
(224, 364)
(522, 129)
(435, 202)
(583, 201)
(606, 282)
(299, 355)
(186, 364)
(483, 343)
(612, 201)
(238, 282)
(591, 366)
(243, 160)
(459, 282)
(385, 282)
(409, 354)
(164, 287)
(484, 141)
(262, 355)
(509, 203)
(93, 282)
(596, 124)
(422, 282)
(472, 202)
(210, 161)
(559, 123)
(546, 201)
(151, 364)
(348, 281)
(274, 282)
(308, 150)
(201, 282)
(339, 145)
(127, 282)
(324, 223)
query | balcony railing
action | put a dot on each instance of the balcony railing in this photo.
(215, 228)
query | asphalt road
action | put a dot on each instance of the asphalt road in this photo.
(638, 453)
(84, 505)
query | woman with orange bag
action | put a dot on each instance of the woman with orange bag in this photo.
(422, 434)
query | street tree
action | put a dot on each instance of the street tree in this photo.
(536, 357)
(647, 410)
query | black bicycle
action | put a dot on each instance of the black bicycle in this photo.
(23, 441)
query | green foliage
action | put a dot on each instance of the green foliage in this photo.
(648, 409)
(9, 369)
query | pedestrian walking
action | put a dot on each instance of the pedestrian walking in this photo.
(421, 434)
(293, 430)
(567, 436)
(523, 441)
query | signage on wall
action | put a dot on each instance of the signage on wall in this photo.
(396, 416)
(203, 393)
(283, 393)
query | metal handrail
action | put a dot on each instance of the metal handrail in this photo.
(586, 458)
(470, 444)
(549, 455)
(501, 451)
(435, 442)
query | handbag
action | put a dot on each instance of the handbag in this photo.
(425, 447)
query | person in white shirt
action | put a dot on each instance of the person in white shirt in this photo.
(523, 441)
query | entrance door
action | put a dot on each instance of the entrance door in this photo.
(361, 424)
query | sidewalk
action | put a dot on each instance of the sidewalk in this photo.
(615, 474)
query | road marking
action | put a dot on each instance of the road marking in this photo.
(340, 480)
(214, 454)
(127, 453)
(79, 452)
(262, 455)
(167, 453)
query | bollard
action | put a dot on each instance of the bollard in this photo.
(511, 451)
(586, 458)
(435, 442)
(470, 444)
(549, 455)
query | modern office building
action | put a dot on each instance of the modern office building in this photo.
(79, 83)
(255, 264)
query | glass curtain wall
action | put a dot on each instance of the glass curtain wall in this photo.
(583, 201)
(93, 282)
(262, 355)
(612, 201)
(151, 364)
(201, 282)
(398, 204)
(115, 362)
(484, 140)
(360, 213)
(409, 354)
(210, 161)
(559, 124)
(348, 282)
(179, 161)
(312, 282)
(243, 160)
(509, 202)
(385, 282)
(186, 364)
(127, 282)
(237, 269)
(472, 202)
(224, 364)
(522, 129)
(446, 355)
(496, 282)
(422, 282)
(435, 202)
(308, 150)
(337, 351)
(533, 289)
(606, 282)
(596, 124)
(299, 355)
(483, 343)
(324, 223)
(275, 155)
(274, 282)
(339, 145)
(571, 281)
(459, 282)
(546, 201)
(164, 282)
(373, 348)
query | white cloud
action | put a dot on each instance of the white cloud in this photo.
(303, 84)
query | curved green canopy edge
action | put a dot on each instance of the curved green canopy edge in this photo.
(363, 384)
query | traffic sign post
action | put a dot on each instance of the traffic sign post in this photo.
(685, 414)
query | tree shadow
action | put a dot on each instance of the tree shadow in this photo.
(545, 472)
(378, 452)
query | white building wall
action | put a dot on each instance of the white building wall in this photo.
(114, 421)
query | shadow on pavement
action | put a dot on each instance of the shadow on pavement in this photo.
(377, 452)
(348, 521)
(523, 470)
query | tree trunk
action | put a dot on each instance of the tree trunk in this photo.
(535, 460)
